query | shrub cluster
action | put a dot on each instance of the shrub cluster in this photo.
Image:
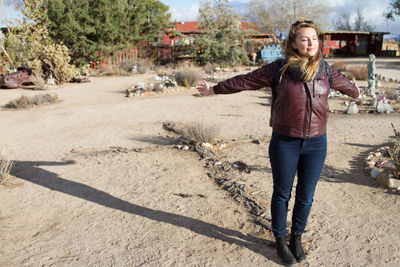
(359, 71)
(32, 101)
(198, 132)
(188, 77)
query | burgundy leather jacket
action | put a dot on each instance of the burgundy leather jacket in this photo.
(301, 108)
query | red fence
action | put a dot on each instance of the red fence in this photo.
(116, 59)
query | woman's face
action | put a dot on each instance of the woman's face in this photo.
(306, 42)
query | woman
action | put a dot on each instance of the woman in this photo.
(298, 119)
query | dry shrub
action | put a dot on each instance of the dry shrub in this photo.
(209, 68)
(5, 164)
(144, 65)
(348, 75)
(32, 101)
(127, 65)
(188, 77)
(199, 132)
(340, 65)
(392, 94)
(141, 66)
(359, 71)
(394, 145)
(110, 70)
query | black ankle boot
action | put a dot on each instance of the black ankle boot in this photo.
(284, 252)
(295, 247)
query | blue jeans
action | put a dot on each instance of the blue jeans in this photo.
(288, 155)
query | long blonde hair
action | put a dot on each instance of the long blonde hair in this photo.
(309, 67)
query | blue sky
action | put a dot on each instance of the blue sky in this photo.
(372, 10)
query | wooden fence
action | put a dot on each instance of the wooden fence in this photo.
(116, 59)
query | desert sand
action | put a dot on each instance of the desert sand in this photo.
(98, 182)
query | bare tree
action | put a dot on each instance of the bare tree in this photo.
(277, 15)
(343, 22)
(359, 23)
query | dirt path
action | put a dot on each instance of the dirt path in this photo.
(76, 202)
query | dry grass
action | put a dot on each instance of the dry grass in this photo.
(392, 94)
(199, 132)
(209, 68)
(340, 65)
(32, 101)
(359, 72)
(189, 77)
(111, 70)
(5, 164)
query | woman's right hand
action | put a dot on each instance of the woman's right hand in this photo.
(204, 89)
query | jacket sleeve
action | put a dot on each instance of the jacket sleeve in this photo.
(342, 84)
(254, 80)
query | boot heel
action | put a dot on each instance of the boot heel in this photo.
(284, 252)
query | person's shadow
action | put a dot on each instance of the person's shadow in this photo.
(31, 172)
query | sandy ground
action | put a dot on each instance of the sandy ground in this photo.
(75, 201)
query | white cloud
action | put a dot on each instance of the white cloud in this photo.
(185, 13)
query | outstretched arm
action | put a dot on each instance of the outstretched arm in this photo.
(342, 84)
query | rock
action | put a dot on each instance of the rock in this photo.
(383, 108)
(375, 173)
(352, 109)
(385, 179)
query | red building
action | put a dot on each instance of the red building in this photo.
(351, 43)
(189, 30)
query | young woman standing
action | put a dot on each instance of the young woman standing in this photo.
(298, 119)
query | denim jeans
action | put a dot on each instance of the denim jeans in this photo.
(287, 156)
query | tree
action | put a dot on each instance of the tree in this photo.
(221, 41)
(90, 26)
(28, 43)
(359, 23)
(278, 15)
(393, 10)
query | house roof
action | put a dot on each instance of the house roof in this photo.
(188, 26)
(354, 32)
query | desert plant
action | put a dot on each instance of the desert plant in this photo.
(198, 132)
(31, 101)
(394, 145)
(29, 44)
(188, 77)
(5, 164)
(209, 68)
(340, 65)
(392, 94)
(127, 65)
(144, 65)
(359, 72)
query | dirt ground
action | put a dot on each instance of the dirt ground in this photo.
(98, 182)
